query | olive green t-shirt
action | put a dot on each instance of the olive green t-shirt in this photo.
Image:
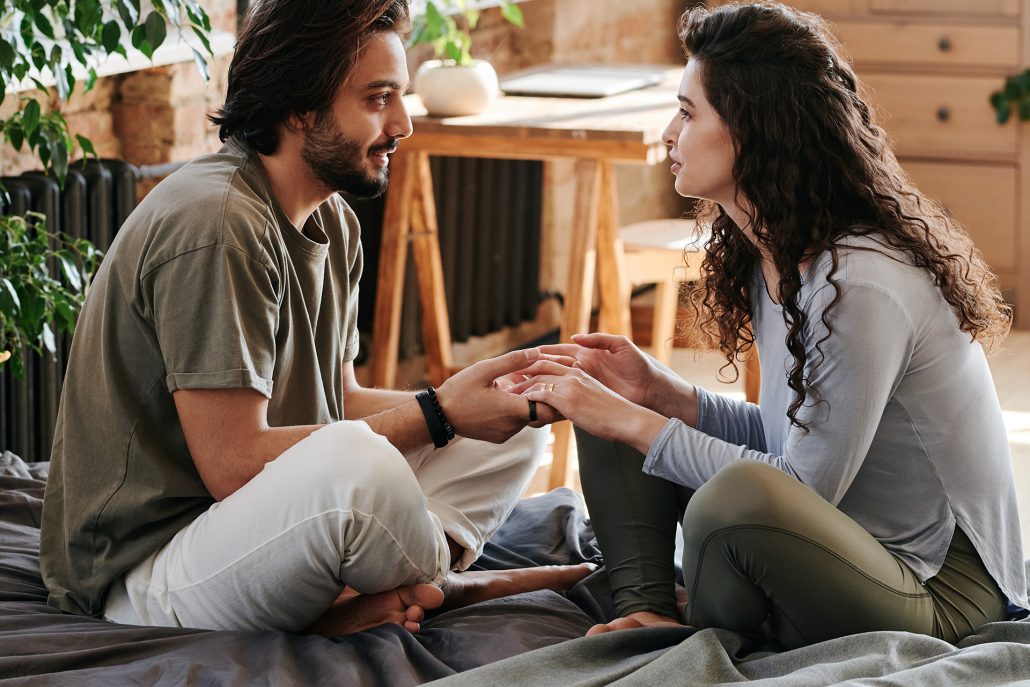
(207, 286)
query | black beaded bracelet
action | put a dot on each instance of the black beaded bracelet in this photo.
(440, 431)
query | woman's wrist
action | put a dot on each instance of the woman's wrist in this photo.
(641, 428)
(672, 396)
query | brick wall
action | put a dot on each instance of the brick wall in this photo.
(147, 117)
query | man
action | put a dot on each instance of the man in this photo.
(208, 470)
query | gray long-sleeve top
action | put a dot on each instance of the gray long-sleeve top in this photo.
(909, 440)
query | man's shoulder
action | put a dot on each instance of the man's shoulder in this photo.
(214, 200)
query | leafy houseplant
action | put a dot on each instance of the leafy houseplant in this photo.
(454, 83)
(32, 301)
(43, 275)
(1014, 96)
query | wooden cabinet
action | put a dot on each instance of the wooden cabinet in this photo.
(929, 67)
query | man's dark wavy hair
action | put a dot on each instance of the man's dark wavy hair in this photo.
(815, 167)
(292, 56)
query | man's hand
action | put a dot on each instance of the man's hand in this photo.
(591, 405)
(479, 404)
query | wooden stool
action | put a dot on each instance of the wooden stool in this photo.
(666, 253)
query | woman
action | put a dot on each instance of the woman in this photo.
(872, 488)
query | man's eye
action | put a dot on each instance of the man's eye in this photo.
(381, 99)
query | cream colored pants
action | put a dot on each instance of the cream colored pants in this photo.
(341, 508)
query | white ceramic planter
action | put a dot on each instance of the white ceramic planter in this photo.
(449, 90)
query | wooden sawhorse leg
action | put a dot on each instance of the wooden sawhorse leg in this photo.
(410, 217)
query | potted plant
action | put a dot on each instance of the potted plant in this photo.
(44, 275)
(34, 303)
(454, 83)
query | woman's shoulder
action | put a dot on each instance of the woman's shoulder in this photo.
(868, 265)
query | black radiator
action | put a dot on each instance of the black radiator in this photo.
(96, 199)
(489, 218)
(489, 214)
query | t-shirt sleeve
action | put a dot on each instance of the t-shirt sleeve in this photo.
(855, 373)
(355, 266)
(215, 311)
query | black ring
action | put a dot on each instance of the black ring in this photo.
(532, 411)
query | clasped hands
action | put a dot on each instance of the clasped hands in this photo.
(601, 382)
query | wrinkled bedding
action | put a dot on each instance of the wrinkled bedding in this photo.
(532, 639)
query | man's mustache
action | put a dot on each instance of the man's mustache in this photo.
(388, 148)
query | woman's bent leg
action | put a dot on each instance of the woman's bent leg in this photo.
(634, 517)
(759, 546)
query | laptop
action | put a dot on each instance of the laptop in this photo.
(582, 81)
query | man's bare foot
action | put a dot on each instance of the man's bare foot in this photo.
(352, 612)
(473, 586)
(635, 621)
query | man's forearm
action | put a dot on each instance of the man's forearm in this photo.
(360, 403)
(404, 426)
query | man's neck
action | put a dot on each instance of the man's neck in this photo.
(297, 190)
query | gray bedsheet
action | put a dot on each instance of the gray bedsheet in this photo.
(529, 639)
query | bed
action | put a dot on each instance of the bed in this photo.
(533, 639)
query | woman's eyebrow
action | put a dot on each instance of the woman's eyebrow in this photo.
(685, 100)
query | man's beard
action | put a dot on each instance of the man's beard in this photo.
(339, 162)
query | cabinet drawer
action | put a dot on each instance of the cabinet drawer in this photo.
(985, 8)
(983, 199)
(921, 44)
(942, 116)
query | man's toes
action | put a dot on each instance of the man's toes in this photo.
(598, 629)
(412, 627)
(425, 596)
(414, 614)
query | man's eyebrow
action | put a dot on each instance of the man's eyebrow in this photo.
(386, 83)
(685, 100)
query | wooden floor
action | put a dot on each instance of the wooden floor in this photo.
(1011, 369)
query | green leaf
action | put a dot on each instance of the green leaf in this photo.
(71, 272)
(30, 117)
(12, 294)
(996, 99)
(7, 54)
(44, 25)
(453, 51)
(139, 41)
(110, 36)
(1024, 110)
(1004, 111)
(16, 136)
(204, 40)
(91, 80)
(46, 337)
(434, 18)
(86, 145)
(197, 15)
(128, 13)
(513, 13)
(1012, 90)
(156, 30)
(198, 59)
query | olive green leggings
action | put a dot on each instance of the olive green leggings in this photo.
(764, 553)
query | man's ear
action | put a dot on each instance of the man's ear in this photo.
(296, 123)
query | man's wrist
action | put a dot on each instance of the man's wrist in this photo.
(440, 430)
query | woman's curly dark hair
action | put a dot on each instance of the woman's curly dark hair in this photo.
(814, 167)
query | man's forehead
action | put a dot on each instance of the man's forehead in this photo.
(382, 64)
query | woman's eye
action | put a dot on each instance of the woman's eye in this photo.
(684, 114)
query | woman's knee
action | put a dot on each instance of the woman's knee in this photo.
(746, 492)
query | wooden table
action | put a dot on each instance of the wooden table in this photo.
(597, 133)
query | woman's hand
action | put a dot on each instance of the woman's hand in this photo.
(616, 362)
(590, 404)
(479, 401)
